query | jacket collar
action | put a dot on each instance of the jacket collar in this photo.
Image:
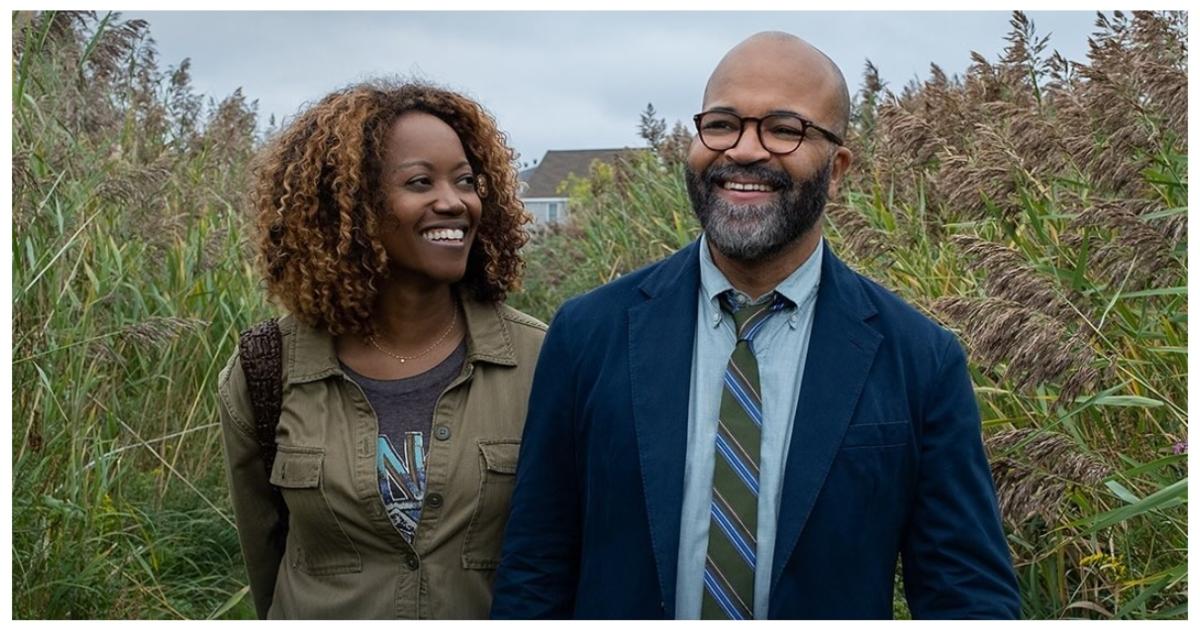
(837, 283)
(681, 268)
(311, 355)
(662, 329)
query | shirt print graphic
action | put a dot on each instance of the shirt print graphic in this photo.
(402, 481)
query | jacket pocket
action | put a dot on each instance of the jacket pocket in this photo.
(497, 476)
(318, 544)
(877, 435)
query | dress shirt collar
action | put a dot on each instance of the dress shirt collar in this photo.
(798, 287)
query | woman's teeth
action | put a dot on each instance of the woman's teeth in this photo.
(443, 234)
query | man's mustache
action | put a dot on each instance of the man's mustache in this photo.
(775, 178)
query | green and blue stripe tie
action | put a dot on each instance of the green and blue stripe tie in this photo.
(729, 565)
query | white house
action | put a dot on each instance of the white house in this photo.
(540, 191)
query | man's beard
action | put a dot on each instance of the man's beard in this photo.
(756, 232)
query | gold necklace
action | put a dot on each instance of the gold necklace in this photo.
(403, 358)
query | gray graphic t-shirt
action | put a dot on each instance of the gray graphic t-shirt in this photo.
(405, 410)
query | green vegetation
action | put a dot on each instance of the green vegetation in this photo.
(1036, 206)
(130, 281)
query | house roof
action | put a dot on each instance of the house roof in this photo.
(556, 165)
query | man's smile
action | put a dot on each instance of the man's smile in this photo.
(746, 186)
(743, 190)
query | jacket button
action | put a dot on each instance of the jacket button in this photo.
(433, 500)
(413, 563)
(441, 432)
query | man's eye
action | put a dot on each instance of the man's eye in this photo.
(719, 126)
(787, 131)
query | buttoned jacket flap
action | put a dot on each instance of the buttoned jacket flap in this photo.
(500, 456)
(297, 469)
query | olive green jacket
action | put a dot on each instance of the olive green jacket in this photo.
(343, 558)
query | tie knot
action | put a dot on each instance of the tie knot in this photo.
(749, 318)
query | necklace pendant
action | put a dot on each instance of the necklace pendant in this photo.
(402, 360)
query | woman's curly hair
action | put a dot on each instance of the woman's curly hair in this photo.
(319, 201)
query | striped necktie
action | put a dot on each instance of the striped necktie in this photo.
(729, 565)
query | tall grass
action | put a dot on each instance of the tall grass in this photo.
(1038, 207)
(129, 282)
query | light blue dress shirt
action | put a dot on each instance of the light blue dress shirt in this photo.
(781, 348)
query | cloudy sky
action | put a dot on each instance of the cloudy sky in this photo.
(562, 80)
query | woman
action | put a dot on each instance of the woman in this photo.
(389, 229)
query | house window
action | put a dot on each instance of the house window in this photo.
(552, 212)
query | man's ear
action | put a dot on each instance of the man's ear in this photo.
(842, 158)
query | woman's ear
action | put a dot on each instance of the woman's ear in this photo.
(481, 187)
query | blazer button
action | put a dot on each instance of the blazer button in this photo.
(433, 500)
(413, 563)
(441, 432)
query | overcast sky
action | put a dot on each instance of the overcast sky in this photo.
(562, 80)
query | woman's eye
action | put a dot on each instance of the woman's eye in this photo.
(418, 182)
(467, 180)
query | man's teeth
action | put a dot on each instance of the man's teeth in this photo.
(748, 187)
(443, 234)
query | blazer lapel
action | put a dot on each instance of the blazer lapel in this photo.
(841, 350)
(661, 334)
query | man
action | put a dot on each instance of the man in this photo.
(749, 429)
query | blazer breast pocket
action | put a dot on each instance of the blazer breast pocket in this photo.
(318, 544)
(891, 434)
(872, 471)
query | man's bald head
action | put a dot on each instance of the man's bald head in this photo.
(796, 58)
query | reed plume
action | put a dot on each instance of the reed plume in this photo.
(1035, 471)
(1007, 275)
(1028, 348)
(1126, 252)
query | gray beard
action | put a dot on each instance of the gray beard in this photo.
(751, 233)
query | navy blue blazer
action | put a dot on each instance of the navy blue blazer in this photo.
(886, 459)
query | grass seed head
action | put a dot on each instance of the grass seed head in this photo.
(1035, 470)
(1025, 347)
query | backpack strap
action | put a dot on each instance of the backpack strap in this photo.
(261, 350)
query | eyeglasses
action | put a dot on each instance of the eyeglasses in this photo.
(779, 133)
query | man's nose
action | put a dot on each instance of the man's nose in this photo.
(748, 149)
